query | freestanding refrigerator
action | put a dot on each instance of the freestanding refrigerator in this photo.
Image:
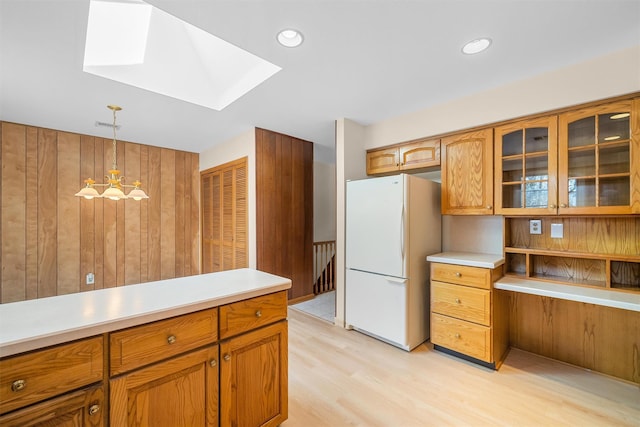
(392, 224)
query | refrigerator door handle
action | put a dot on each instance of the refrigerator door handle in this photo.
(402, 233)
(397, 280)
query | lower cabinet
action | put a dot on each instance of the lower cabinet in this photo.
(182, 391)
(80, 408)
(254, 378)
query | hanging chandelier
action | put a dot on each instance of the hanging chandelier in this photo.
(114, 182)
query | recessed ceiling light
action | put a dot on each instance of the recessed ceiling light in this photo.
(620, 116)
(476, 46)
(290, 38)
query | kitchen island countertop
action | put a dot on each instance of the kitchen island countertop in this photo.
(33, 324)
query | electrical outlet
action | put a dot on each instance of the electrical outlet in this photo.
(535, 226)
(90, 279)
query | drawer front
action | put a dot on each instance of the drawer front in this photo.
(464, 337)
(249, 314)
(462, 275)
(462, 302)
(141, 345)
(32, 377)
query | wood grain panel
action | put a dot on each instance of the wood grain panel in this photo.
(13, 213)
(55, 239)
(47, 209)
(179, 211)
(586, 335)
(132, 236)
(87, 214)
(154, 219)
(167, 215)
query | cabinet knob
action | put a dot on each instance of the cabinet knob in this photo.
(457, 335)
(258, 313)
(171, 339)
(18, 385)
(563, 205)
(552, 206)
(213, 363)
(457, 300)
(93, 409)
(227, 357)
(489, 206)
(458, 274)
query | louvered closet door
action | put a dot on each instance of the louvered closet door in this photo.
(224, 217)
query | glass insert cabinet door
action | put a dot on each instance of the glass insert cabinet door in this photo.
(526, 167)
(599, 160)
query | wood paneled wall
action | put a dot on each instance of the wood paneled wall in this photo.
(52, 239)
(284, 209)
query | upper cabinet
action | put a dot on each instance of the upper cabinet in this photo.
(467, 173)
(526, 167)
(410, 156)
(599, 159)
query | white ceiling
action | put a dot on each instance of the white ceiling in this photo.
(362, 60)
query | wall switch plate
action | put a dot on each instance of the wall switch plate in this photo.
(557, 231)
(91, 279)
(535, 226)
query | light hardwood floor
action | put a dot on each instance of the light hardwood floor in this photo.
(344, 378)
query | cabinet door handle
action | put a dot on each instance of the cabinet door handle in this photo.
(213, 363)
(258, 313)
(227, 357)
(18, 385)
(93, 409)
(171, 339)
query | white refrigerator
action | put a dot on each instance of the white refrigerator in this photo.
(392, 224)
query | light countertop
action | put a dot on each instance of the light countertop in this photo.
(471, 259)
(604, 297)
(33, 324)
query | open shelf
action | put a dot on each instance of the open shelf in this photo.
(589, 254)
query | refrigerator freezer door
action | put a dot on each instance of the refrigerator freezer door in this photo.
(377, 305)
(375, 226)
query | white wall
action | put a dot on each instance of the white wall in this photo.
(350, 164)
(243, 145)
(324, 201)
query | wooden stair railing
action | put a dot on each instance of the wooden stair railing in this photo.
(324, 261)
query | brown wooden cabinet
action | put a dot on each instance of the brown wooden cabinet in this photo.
(468, 317)
(526, 167)
(284, 209)
(414, 155)
(82, 408)
(467, 173)
(253, 378)
(182, 391)
(599, 159)
(224, 217)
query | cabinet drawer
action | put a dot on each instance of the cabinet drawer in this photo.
(32, 377)
(462, 302)
(464, 337)
(145, 344)
(250, 314)
(462, 275)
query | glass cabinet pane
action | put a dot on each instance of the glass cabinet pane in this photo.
(512, 143)
(512, 170)
(536, 194)
(582, 192)
(613, 126)
(537, 168)
(582, 132)
(614, 191)
(582, 163)
(536, 140)
(614, 159)
(512, 196)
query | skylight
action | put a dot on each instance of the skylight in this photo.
(135, 43)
